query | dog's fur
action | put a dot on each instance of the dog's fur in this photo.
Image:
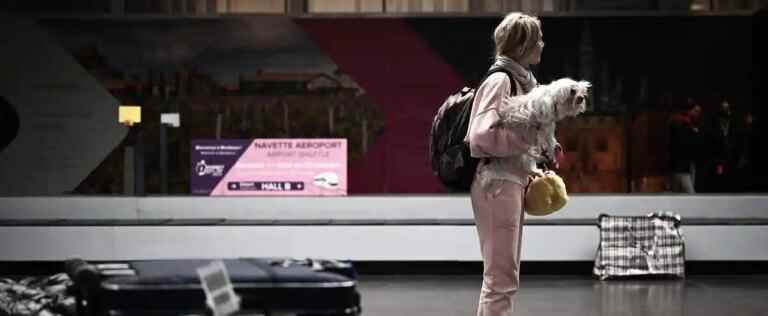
(535, 115)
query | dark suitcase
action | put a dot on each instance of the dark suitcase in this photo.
(172, 287)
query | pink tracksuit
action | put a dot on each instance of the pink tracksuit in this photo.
(497, 203)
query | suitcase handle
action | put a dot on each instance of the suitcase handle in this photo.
(86, 280)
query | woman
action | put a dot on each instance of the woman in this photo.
(498, 189)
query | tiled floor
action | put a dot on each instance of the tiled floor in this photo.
(570, 295)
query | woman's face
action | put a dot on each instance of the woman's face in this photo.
(534, 57)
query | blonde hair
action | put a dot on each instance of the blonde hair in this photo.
(517, 35)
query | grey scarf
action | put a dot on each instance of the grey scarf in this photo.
(522, 76)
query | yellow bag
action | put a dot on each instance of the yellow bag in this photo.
(545, 195)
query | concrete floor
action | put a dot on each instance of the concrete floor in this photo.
(570, 295)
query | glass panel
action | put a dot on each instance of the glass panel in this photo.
(256, 6)
(730, 5)
(701, 5)
(492, 5)
(416, 6)
(332, 6)
(279, 77)
(371, 5)
(345, 6)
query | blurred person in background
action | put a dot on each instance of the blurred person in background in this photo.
(685, 141)
(721, 149)
(745, 170)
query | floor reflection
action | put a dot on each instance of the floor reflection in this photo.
(640, 297)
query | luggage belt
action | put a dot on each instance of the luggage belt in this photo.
(341, 222)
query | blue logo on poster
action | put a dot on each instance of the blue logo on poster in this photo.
(204, 169)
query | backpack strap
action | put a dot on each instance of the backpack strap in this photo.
(512, 92)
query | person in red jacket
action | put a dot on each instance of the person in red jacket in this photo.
(685, 140)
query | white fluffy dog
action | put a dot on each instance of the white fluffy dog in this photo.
(535, 114)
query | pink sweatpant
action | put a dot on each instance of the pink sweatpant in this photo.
(498, 217)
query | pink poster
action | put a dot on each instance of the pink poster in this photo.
(285, 167)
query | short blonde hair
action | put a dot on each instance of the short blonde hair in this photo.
(517, 35)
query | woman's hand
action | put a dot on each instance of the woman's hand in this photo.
(536, 172)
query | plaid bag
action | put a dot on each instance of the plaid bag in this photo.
(640, 245)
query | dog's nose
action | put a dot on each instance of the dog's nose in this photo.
(579, 99)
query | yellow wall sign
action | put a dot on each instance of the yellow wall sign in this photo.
(129, 114)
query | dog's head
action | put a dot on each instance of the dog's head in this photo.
(572, 97)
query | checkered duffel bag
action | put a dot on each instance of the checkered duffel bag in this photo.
(640, 245)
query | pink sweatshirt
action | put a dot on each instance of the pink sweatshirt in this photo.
(486, 141)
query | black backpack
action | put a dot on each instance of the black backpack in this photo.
(451, 159)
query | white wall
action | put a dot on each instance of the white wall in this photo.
(361, 243)
(392, 207)
(446, 242)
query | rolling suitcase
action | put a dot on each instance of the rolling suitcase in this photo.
(172, 287)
